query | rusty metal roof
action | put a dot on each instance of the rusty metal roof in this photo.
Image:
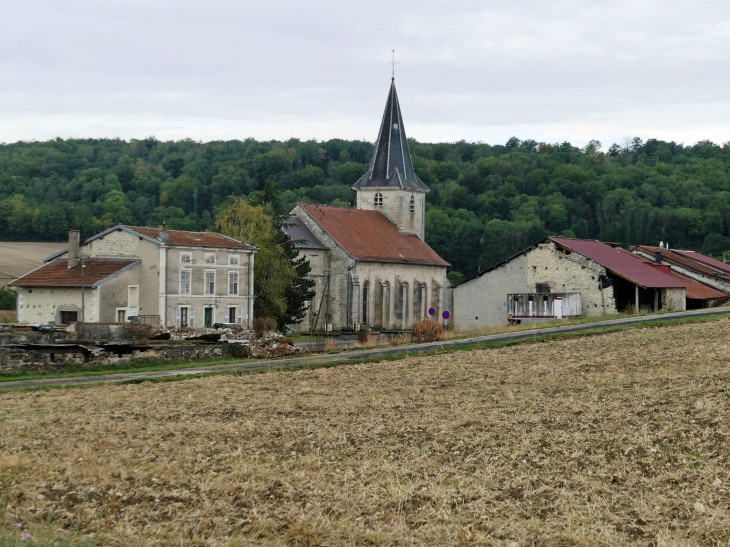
(56, 274)
(681, 260)
(702, 259)
(695, 289)
(620, 263)
(370, 237)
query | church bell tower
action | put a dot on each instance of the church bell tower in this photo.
(391, 185)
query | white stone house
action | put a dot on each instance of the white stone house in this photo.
(372, 267)
(170, 277)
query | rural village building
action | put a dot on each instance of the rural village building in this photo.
(699, 267)
(698, 295)
(561, 277)
(371, 265)
(173, 277)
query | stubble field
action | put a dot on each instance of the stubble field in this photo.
(611, 439)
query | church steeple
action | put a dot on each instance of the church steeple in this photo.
(391, 166)
(391, 186)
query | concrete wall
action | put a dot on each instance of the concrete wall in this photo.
(396, 206)
(45, 304)
(482, 301)
(114, 296)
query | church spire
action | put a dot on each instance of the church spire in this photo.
(391, 165)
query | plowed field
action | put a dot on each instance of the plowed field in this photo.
(611, 439)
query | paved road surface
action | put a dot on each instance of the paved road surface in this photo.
(355, 355)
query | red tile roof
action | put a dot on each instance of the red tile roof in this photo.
(193, 239)
(695, 289)
(618, 262)
(56, 274)
(369, 236)
(681, 260)
(697, 257)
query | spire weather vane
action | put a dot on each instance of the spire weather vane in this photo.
(393, 63)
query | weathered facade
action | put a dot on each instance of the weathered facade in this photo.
(552, 279)
(179, 278)
(371, 265)
(483, 300)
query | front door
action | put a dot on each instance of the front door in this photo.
(208, 317)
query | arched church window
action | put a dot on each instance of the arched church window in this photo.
(413, 204)
(378, 199)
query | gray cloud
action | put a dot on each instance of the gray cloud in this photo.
(469, 70)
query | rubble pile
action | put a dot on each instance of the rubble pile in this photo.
(272, 344)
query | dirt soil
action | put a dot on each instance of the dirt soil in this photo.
(616, 439)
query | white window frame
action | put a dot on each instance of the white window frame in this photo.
(129, 296)
(190, 313)
(228, 313)
(205, 283)
(234, 260)
(208, 258)
(190, 281)
(238, 287)
(184, 256)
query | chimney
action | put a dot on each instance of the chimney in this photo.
(658, 256)
(164, 234)
(73, 249)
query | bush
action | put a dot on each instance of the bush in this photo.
(428, 330)
(362, 336)
(262, 325)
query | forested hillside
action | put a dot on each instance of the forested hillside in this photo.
(486, 201)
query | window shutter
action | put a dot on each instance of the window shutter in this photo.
(192, 317)
(240, 316)
(177, 318)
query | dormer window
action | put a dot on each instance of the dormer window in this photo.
(413, 204)
(378, 199)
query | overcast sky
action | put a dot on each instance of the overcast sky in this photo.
(473, 70)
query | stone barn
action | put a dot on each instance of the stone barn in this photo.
(558, 278)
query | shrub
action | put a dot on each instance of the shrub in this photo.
(428, 330)
(394, 341)
(362, 336)
(262, 325)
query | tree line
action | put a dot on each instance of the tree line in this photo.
(486, 203)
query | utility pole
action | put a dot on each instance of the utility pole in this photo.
(83, 289)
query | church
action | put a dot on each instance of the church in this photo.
(371, 265)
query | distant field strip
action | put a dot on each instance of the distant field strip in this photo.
(20, 257)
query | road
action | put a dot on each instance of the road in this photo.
(358, 354)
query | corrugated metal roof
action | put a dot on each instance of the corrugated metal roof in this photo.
(681, 260)
(695, 289)
(369, 236)
(619, 263)
(56, 273)
(702, 259)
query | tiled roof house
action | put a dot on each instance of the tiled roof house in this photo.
(174, 277)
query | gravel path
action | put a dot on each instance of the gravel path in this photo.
(355, 355)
